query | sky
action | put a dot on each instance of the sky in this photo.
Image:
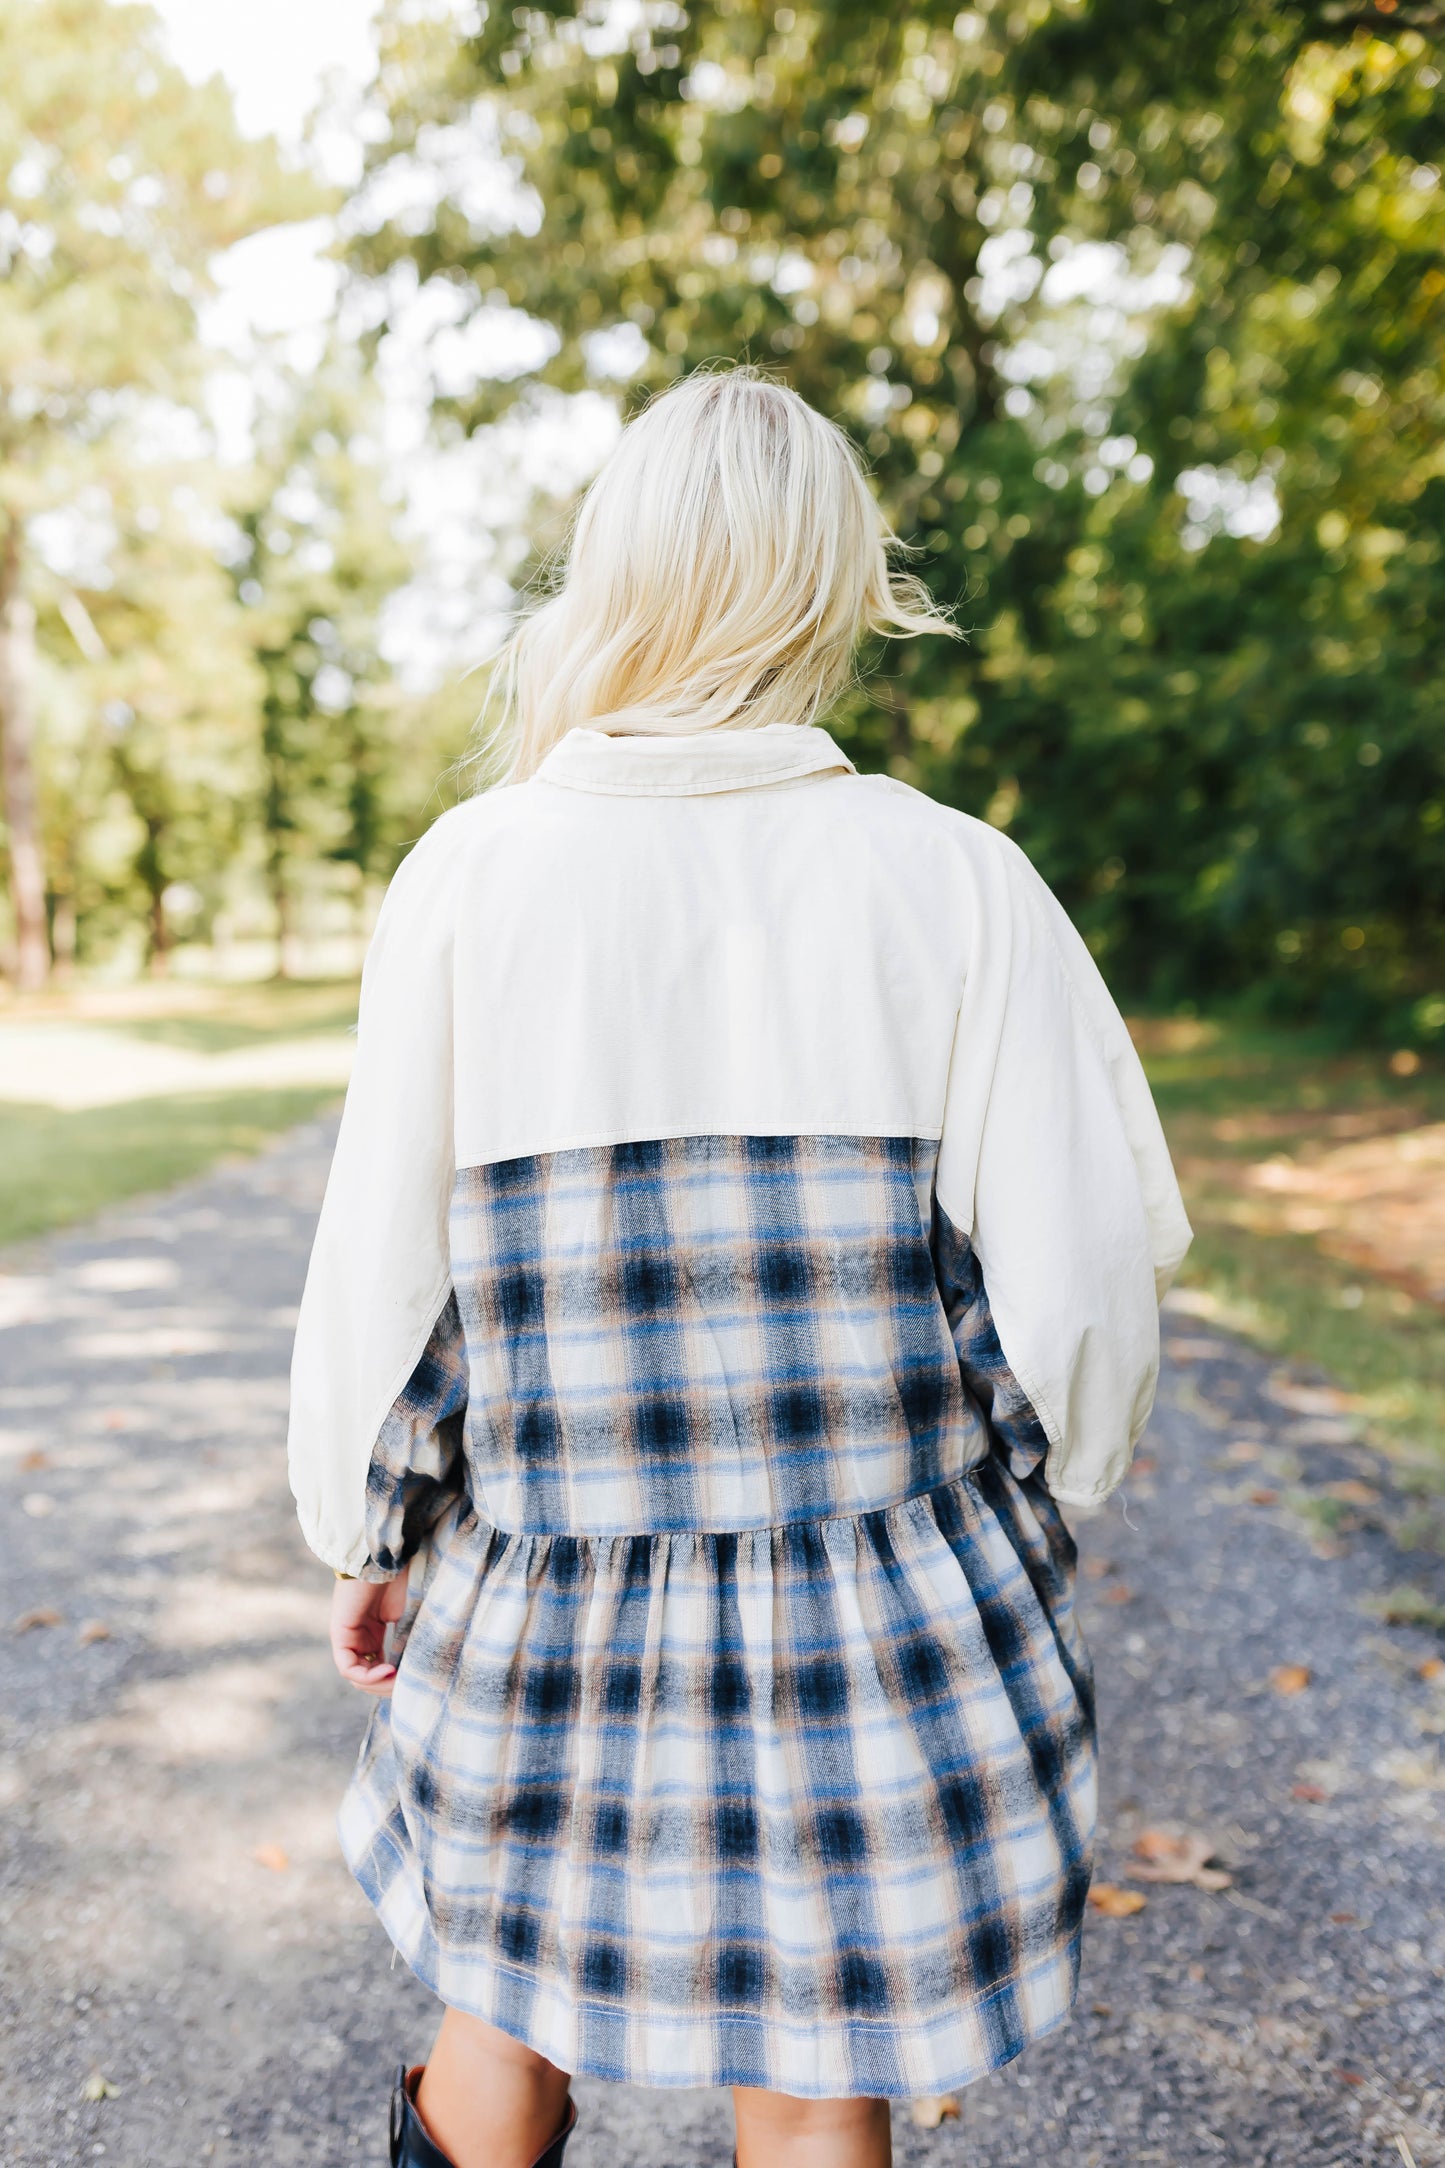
(278, 281)
(217, 37)
(329, 55)
(464, 505)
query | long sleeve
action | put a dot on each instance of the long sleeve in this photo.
(1012, 1420)
(380, 1269)
(417, 1466)
(1054, 1168)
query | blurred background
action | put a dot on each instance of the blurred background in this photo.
(316, 318)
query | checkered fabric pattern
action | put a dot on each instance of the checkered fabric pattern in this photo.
(418, 1467)
(805, 1801)
(707, 1332)
(989, 1382)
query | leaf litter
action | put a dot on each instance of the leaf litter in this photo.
(1116, 1903)
(1161, 1856)
(929, 2112)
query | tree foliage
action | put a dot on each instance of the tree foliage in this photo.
(1196, 537)
(191, 693)
(118, 183)
(318, 558)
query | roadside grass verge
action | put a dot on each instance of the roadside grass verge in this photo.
(208, 1016)
(1232, 1098)
(62, 1164)
(58, 1166)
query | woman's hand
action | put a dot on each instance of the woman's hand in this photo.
(361, 1611)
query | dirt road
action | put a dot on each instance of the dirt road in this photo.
(187, 1974)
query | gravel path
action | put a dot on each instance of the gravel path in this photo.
(178, 1936)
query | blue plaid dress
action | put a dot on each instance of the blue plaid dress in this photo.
(743, 1731)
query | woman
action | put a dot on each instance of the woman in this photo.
(745, 1231)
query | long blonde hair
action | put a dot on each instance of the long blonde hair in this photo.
(724, 565)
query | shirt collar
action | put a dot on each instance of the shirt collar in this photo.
(656, 765)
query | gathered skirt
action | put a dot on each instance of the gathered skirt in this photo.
(807, 1807)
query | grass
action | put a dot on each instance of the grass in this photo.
(208, 1018)
(250, 1016)
(58, 1166)
(1231, 1097)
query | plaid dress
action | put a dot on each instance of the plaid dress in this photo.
(743, 1731)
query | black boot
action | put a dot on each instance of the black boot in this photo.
(412, 2148)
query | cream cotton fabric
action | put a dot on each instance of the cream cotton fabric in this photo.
(737, 935)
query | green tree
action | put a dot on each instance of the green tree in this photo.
(1294, 684)
(119, 181)
(1220, 742)
(150, 765)
(319, 556)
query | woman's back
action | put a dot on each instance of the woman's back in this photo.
(709, 1052)
(746, 1224)
(692, 1229)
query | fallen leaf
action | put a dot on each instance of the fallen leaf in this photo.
(94, 1629)
(1161, 1857)
(35, 1458)
(1314, 1793)
(1119, 1593)
(1095, 1569)
(1264, 1497)
(1308, 1399)
(44, 1617)
(1290, 1678)
(1351, 1492)
(1102, 2009)
(928, 2114)
(272, 1856)
(1116, 1903)
(1162, 1846)
(1343, 1919)
(1350, 2077)
(98, 2087)
(1193, 1351)
(1143, 1465)
(1433, 1668)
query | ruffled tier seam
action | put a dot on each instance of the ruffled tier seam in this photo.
(599, 1538)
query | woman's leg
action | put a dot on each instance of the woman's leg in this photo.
(777, 2131)
(486, 2100)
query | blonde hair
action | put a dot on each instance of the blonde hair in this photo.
(723, 568)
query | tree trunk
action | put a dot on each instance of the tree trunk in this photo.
(62, 935)
(17, 745)
(151, 867)
(284, 906)
(159, 961)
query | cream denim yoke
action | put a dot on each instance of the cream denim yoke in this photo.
(737, 935)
